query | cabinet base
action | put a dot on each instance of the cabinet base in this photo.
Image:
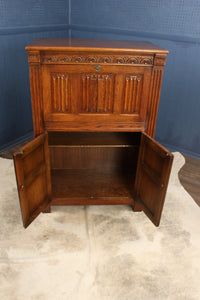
(84, 202)
(136, 206)
(47, 210)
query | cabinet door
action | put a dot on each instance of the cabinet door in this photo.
(152, 176)
(82, 97)
(32, 170)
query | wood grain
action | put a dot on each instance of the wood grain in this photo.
(95, 85)
(32, 169)
(94, 90)
(189, 176)
(91, 44)
(92, 187)
(152, 176)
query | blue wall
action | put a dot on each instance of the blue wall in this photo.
(175, 17)
(174, 25)
(21, 22)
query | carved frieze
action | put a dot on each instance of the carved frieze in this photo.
(160, 59)
(34, 57)
(111, 59)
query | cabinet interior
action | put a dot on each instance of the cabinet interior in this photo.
(99, 166)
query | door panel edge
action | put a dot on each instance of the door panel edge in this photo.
(30, 210)
(151, 184)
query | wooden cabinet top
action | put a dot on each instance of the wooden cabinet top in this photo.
(64, 44)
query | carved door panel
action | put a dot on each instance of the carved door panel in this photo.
(32, 170)
(153, 171)
(95, 97)
(97, 93)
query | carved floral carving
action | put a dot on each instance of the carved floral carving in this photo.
(146, 60)
(105, 60)
(91, 59)
(76, 59)
(33, 58)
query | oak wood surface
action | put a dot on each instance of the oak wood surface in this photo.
(86, 157)
(32, 169)
(87, 92)
(85, 44)
(92, 187)
(95, 85)
(153, 171)
(77, 96)
(102, 139)
(189, 174)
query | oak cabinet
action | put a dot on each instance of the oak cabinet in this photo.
(94, 107)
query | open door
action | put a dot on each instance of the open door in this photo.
(32, 170)
(152, 176)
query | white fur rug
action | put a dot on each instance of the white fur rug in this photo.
(102, 252)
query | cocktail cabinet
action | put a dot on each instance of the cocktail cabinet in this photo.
(94, 106)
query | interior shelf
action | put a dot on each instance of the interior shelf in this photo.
(97, 186)
(93, 168)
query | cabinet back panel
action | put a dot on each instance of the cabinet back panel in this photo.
(96, 158)
(94, 138)
(86, 150)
